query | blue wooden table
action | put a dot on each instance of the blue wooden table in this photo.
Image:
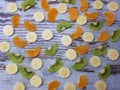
(7, 81)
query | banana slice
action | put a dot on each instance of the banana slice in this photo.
(8, 30)
(113, 6)
(66, 40)
(31, 37)
(64, 72)
(81, 20)
(19, 86)
(12, 7)
(70, 54)
(36, 63)
(113, 54)
(47, 34)
(11, 68)
(62, 8)
(39, 16)
(97, 4)
(88, 37)
(36, 81)
(100, 85)
(69, 86)
(95, 61)
(4, 46)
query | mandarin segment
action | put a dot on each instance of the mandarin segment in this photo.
(83, 5)
(53, 85)
(91, 16)
(29, 26)
(15, 20)
(44, 4)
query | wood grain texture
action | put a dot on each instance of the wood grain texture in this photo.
(7, 81)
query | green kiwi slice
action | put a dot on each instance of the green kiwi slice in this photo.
(99, 51)
(105, 72)
(115, 36)
(25, 73)
(79, 64)
(68, 1)
(56, 66)
(96, 26)
(15, 58)
(27, 4)
(51, 51)
(61, 26)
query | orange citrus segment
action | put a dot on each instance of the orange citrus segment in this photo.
(15, 20)
(110, 18)
(53, 85)
(29, 26)
(91, 16)
(33, 52)
(45, 5)
(83, 5)
(77, 33)
(18, 42)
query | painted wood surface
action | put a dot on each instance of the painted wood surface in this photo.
(7, 81)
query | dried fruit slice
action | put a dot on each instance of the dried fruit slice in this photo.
(15, 20)
(68, 1)
(81, 20)
(72, 13)
(39, 16)
(79, 64)
(92, 15)
(12, 7)
(100, 85)
(113, 6)
(8, 30)
(18, 42)
(33, 52)
(83, 81)
(103, 36)
(25, 72)
(53, 85)
(27, 4)
(77, 33)
(52, 14)
(55, 66)
(99, 51)
(96, 26)
(61, 26)
(69, 86)
(62, 8)
(70, 54)
(51, 51)
(15, 58)
(95, 61)
(44, 4)
(47, 34)
(115, 36)
(64, 72)
(31, 37)
(4, 46)
(97, 4)
(83, 5)
(36, 63)
(29, 26)
(110, 18)
(81, 49)
(66, 40)
(105, 72)
(19, 86)
(88, 36)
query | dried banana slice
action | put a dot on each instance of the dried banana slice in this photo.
(70, 54)
(113, 54)
(100, 85)
(113, 6)
(19, 86)
(95, 61)
(69, 86)
(36, 63)
(64, 72)
(81, 20)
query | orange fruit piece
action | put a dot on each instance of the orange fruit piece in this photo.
(83, 5)
(52, 14)
(73, 13)
(18, 42)
(91, 16)
(53, 85)
(29, 26)
(15, 20)
(81, 49)
(83, 81)
(110, 18)
(45, 5)
(33, 52)
(77, 33)
(103, 36)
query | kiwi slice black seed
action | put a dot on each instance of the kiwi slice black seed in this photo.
(105, 72)
(15, 58)
(96, 26)
(79, 64)
(25, 73)
(56, 66)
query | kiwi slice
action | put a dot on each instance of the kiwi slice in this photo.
(56, 66)
(79, 64)
(115, 36)
(51, 51)
(15, 58)
(105, 72)
(96, 26)
(25, 73)
(27, 4)
(68, 1)
(99, 51)
(61, 26)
